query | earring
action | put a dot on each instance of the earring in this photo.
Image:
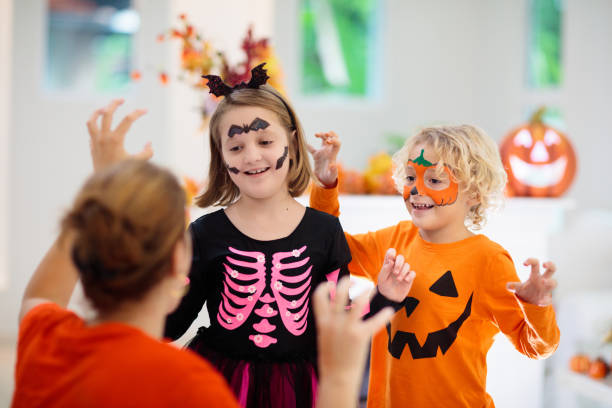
(180, 293)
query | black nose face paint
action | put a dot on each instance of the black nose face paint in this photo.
(281, 160)
(414, 191)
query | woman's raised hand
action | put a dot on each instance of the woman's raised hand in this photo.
(106, 144)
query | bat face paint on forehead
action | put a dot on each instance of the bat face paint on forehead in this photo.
(255, 125)
(281, 160)
(427, 181)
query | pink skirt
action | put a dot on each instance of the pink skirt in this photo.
(265, 384)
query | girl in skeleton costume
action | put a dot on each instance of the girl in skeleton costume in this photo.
(433, 353)
(257, 261)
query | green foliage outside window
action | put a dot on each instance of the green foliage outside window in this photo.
(352, 24)
(545, 43)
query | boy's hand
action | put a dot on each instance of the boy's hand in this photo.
(325, 158)
(395, 277)
(538, 288)
(106, 144)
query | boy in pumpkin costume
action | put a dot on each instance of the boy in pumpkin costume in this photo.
(433, 353)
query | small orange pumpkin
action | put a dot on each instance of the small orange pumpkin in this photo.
(350, 181)
(580, 363)
(540, 160)
(598, 369)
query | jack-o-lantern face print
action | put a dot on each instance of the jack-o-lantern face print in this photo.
(540, 161)
(442, 338)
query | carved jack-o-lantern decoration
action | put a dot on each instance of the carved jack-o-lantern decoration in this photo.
(540, 160)
(443, 338)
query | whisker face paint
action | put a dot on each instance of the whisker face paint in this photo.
(256, 124)
(426, 180)
(281, 160)
(232, 169)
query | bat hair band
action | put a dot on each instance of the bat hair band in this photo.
(259, 77)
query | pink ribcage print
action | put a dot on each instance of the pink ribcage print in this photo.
(241, 289)
(245, 287)
(293, 313)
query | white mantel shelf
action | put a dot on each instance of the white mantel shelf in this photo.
(582, 384)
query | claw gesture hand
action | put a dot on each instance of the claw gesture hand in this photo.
(395, 277)
(106, 144)
(325, 167)
(343, 339)
(536, 290)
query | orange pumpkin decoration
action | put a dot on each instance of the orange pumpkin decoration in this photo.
(540, 160)
(350, 181)
(598, 369)
(580, 363)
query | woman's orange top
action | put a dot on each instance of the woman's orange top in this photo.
(433, 353)
(62, 362)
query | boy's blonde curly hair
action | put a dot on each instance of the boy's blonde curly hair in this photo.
(473, 158)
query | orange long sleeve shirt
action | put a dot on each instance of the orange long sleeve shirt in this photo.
(433, 353)
(62, 362)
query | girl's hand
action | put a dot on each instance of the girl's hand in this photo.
(395, 277)
(107, 144)
(325, 158)
(343, 339)
(538, 288)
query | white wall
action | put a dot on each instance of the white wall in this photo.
(465, 61)
(49, 153)
(224, 24)
(6, 26)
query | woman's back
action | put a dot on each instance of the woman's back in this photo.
(103, 366)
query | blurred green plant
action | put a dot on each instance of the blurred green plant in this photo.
(355, 22)
(545, 43)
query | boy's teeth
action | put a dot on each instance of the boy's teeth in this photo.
(421, 206)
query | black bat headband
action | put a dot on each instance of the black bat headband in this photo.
(217, 87)
(259, 77)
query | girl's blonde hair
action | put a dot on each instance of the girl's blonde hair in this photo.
(221, 190)
(126, 222)
(473, 158)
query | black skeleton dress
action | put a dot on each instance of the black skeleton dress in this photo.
(262, 334)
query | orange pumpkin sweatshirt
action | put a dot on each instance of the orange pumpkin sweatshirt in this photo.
(433, 353)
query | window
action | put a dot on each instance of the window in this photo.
(545, 69)
(89, 45)
(339, 45)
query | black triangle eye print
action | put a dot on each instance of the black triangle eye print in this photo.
(441, 339)
(445, 286)
(410, 304)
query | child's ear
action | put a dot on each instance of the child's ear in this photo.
(474, 199)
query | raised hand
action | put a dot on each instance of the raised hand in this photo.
(343, 339)
(395, 277)
(325, 158)
(538, 288)
(106, 144)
